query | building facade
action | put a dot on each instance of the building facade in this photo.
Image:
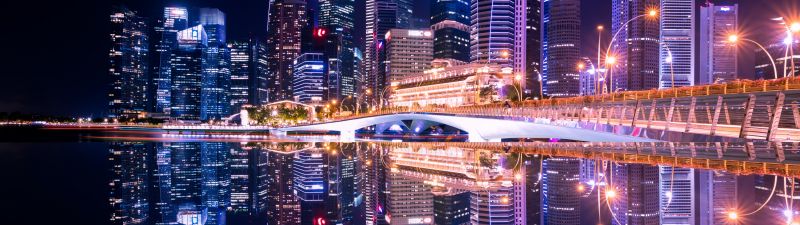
(408, 53)
(561, 47)
(455, 85)
(186, 73)
(215, 98)
(381, 17)
(248, 74)
(129, 55)
(174, 19)
(718, 58)
(450, 20)
(677, 52)
(309, 78)
(533, 49)
(492, 30)
(287, 20)
(636, 46)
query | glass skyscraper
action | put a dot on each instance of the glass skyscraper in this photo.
(450, 21)
(561, 47)
(129, 64)
(717, 55)
(336, 18)
(636, 46)
(174, 20)
(381, 16)
(187, 73)
(286, 22)
(215, 100)
(308, 78)
(248, 73)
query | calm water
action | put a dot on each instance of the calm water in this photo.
(138, 182)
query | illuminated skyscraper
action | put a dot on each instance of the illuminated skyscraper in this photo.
(560, 200)
(216, 183)
(677, 195)
(533, 47)
(287, 20)
(561, 38)
(492, 31)
(408, 53)
(636, 202)
(309, 76)
(636, 46)
(129, 64)
(381, 16)
(248, 73)
(309, 179)
(450, 21)
(165, 39)
(129, 186)
(717, 56)
(336, 18)
(678, 42)
(215, 98)
(187, 73)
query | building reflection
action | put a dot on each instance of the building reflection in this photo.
(369, 183)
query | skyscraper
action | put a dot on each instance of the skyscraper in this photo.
(215, 99)
(336, 18)
(533, 48)
(450, 20)
(677, 37)
(405, 13)
(560, 47)
(129, 187)
(187, 73)
(283, 207)
(588, 77)
(408, 53)
(636, 46)
(309, 179)
(717, 56)
(492, 31)
(286, 22)
(677, 195)
(381, 16)
(409, 201)
(174, 20)
(129, 64)
(636, 202)
(560, 200)
(248, 73)
(308, 80)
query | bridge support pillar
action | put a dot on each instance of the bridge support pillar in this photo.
(347, 136)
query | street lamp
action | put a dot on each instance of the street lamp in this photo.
(597, 75)
(653, 13)
(735, 39)
(610, 61)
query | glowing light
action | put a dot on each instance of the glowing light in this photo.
(581, 188)
(611, 60)
(518, 77)
(669, 58)
(733, 215)
(611, 194)
(504, 54)
(580, 66)
(668, 194)
(600, 27)
(733, 38)
(788, 214)
(788, 40)
(652, 13)
(795, 27)
(504, 200)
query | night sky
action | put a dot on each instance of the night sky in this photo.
(56, 51)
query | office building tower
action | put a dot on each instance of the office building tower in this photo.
(533, 48)
(336, 19)
(560, 201)
(520, 44)
(128, 57)
(187, 72)
(410, 201)
(405, 14)
(342, 185)
(718, 196)
(408, 53)
(129, 187)
(677, 43)
(635, 47)
(242, 180)
(451, 207)
(718, 60)
(186, 186)
(215, 99)
(287, 20)
(283, 206)
(310, 185)
(560, 47)
(677, 195)
(533, 188)
(309, 75)
(492, 31)
(375, 188)
(450, 20)
(248, 73)
(165, 38)
(216, 183)
(381, 16)
(358, 72)
(636, 202)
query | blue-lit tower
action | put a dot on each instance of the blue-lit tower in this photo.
(215, 99)
(165, 39)
(450, 20)
(309, 75)
(336, 24)
(187, 73)
(129, 61)
(561, 21)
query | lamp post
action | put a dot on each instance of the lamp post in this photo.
(735, 38)
(597, 73)
(651, 13)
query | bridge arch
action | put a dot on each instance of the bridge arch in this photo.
(479, 129)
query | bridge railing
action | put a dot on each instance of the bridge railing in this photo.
(763, 109)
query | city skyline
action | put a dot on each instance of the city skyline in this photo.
(21, 99)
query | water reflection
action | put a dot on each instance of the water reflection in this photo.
(403, 183)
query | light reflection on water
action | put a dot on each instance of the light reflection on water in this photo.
(452, 183)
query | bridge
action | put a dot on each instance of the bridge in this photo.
(739, 110)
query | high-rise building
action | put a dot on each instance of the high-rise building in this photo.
(216, 181)
(676, 53)
(336, 18)
(409, 201)
(677, 195)
(718, 196)
(187, 73)
(408, 53)
(309, 75)
(381, 16)
(283, 206)
(533, 48)
(165, 38)
(451, 208)
(492, 31)
(636, 46)
(129, 187)
(717, 56)
(309, 179)
(636, 202)
(287, 20)
(405, 14)
(129, 64)
(450, 20)
(560, 199)
(215, 98)
(561, 47)
(342, 188)
(248, 73)
(520, 61)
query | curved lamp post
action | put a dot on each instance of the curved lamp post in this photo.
(735, 38)
(651, 13)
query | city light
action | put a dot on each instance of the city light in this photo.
(611, 193)
(795, 27)
(580, 66)
(652, 13)
(733, 38)
(581, 188)
(611, 60)
(600, 27)
(733, 215)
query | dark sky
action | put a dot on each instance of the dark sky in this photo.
(55, 59)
